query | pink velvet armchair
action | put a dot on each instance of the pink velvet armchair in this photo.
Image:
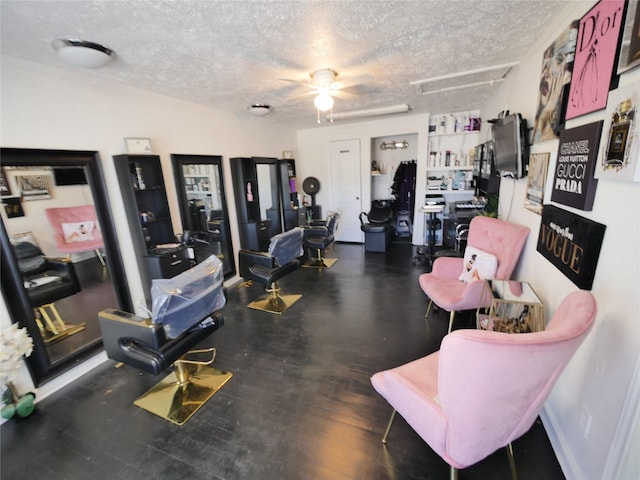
(76, 229)
(497, 238)
(484, 389)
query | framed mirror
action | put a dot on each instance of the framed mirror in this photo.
(269, 192)
(60, 261)
(203, 207)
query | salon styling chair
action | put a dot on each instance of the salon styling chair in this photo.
(47, 280)
(185, 311)
(317, 238)
(267, 268)
(378, 227)
(482, 390)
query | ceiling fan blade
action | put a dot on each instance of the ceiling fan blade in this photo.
(299, 82)
(342, 94)
(357, 80)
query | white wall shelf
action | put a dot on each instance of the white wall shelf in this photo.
(450, 192)
(454, 134)
(455, 167)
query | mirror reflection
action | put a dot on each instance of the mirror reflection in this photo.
(203, 208)
(267, 176)
(51, 223)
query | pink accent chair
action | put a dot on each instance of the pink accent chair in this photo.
(499, 238)
(64, 219)
(483, 389)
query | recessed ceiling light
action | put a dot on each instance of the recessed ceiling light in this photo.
(82, 53)
(260, 109)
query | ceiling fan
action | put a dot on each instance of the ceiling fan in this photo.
(325, 86)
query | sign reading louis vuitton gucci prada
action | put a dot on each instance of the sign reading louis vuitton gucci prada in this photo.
(571, 243)
(573, 182)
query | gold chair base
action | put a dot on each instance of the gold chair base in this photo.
(54, 330)
(178, 402)
(276, 305)
(320, 263)
(70, 329)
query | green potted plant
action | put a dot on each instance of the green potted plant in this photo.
(15, 344)
(491, 207)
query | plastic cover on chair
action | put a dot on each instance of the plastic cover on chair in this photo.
(178, 303)
(287, 246)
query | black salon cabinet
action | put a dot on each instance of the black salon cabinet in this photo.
(147, 209)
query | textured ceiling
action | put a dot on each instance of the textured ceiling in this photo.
(230, 54)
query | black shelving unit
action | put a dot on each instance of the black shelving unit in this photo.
(143, 190)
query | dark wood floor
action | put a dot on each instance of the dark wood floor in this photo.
(300, 404)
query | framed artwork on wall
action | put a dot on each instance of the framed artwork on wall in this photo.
(12, 207)
(597, 50)
(34, 186)
(571, 243)
(5, 190)
(620, 144)
(555, 78)
(138, 146)
(536, 180)
(630, 50)
(574, 183)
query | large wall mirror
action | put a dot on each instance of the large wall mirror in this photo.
(60, 262)
(203, 207)
(268, 189)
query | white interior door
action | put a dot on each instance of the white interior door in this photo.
(345, 188)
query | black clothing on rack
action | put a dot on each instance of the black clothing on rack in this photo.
(403, 187)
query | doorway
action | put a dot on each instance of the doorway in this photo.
(393, 178)
(345, 188)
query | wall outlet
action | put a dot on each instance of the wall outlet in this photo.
(585, 420)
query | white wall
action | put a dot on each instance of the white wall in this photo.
(599, 376)
(49, 109)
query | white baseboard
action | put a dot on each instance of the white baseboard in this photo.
(561, 447)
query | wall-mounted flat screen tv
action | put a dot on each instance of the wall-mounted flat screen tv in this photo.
(65, 176)
(511, 146)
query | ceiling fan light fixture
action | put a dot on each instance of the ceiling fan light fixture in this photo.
(260, 109)
(323, 101)
(82, 53)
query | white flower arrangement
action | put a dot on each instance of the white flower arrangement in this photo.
(15, 343)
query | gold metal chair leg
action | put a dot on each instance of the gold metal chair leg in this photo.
(47, 319)
(453, 473)
(58, 330)
(100, 258)
(386, 432)
(426, 315)
(512, 462)
(451, 317)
